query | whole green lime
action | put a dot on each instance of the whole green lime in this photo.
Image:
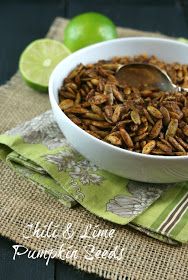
(87, 29)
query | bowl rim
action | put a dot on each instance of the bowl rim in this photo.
(101, 142)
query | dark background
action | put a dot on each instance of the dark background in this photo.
(23, 21)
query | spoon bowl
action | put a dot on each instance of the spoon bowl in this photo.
(144, 75)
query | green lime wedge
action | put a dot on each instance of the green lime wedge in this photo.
(38, 61)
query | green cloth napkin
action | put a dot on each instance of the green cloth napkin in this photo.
(38, 150)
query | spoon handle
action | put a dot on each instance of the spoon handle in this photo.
(180, 89)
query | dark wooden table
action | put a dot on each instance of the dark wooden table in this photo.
(23, 21)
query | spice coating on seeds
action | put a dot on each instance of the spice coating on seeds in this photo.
(144, 120)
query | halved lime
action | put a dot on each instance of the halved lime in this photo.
(38, 61)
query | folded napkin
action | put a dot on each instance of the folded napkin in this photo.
(38, 150)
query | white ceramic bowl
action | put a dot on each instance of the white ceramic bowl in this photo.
(135, 166)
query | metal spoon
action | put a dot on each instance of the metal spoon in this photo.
(143, 75)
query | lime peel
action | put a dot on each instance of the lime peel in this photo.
(87, 29)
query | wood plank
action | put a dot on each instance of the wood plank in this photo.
(20, 24)
(164, 16)
(22, 268)
(64, 272)
(184, 5)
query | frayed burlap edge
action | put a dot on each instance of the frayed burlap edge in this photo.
(23, 203)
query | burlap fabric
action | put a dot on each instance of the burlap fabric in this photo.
(22, 203)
